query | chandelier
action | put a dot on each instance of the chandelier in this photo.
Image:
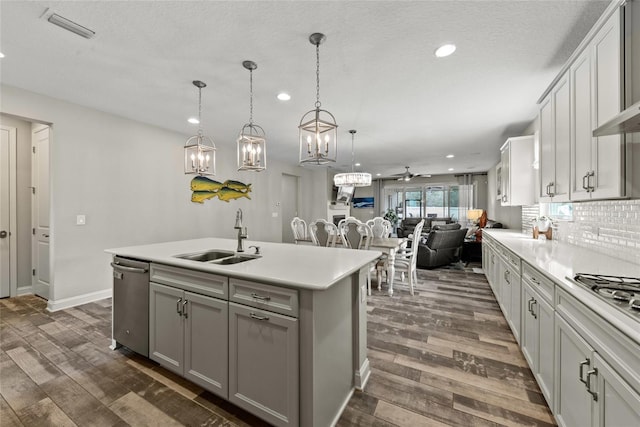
(199, 150)
(251, 142)
(318, 128)
(355, 179)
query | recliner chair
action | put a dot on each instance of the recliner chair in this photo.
(442, 246)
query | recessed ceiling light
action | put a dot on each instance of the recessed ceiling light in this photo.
(357, 164)
(1, 55)
(193, 120)
(378, 174)
(450, 169)
(449, 156)
(445, 50)
(282, 96)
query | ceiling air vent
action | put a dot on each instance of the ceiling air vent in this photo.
(69, 25)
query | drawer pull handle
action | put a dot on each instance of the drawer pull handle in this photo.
(179, 307)
(581, 373)
(260, 297)
(529, 304)
(534, 280)
(185, 313)
(593, 394)
(255, 316)
(533, 312)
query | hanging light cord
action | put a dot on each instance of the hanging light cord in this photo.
(353, 155)
(250, 97)
(318, 75)
(200, 111)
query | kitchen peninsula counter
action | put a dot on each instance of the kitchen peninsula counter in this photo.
(289, 328)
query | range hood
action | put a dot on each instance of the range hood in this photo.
(628, 120)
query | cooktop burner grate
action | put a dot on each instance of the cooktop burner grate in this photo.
(619, 291)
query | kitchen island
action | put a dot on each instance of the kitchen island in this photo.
(282, 335)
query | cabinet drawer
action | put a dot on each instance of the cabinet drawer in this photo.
(266, 297)
(512, 259)
(190, 280)
(538, 282)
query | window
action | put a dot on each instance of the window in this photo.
(429, 201)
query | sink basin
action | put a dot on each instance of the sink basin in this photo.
(216, 256)
(236, 259)
(206, 256)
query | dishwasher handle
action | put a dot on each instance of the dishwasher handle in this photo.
(128, 269)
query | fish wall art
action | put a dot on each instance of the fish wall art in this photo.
(204, 188)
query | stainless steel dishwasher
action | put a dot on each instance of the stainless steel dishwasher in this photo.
(131, 304)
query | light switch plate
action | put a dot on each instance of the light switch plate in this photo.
(81, 220)
(274, 214)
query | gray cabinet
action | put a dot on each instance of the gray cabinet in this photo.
(618, 404)
(518, 177)
(597, 163)
(555, 120)
(263, 344)
(510, 289)
(188, 335)
(537, 339)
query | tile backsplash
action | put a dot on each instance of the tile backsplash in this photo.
(609, 226)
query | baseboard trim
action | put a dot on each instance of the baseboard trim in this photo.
(24, 290)
(362, 375)
(79, 300)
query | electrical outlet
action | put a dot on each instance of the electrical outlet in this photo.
(274, 214)
(81, 220)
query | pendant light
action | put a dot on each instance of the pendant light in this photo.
(251, 142)
(199, 150)
(353, 178)
(318, 128)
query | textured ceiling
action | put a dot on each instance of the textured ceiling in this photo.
(378, 73)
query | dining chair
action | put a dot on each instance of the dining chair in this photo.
(406, 259)
(323, 233)
(356, 234)
(299, 228)
(379, 226)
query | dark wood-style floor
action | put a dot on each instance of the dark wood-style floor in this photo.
(442, 357)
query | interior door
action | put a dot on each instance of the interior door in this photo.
(8, 138)
(289, 205)
(40, 183)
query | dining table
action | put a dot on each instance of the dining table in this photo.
(388, 246)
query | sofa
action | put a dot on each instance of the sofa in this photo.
(442, 246)
(408, 224)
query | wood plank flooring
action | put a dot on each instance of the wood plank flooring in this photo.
(442, 357)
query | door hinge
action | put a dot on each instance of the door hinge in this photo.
(33, 272)
(33, 231)
(33, 149)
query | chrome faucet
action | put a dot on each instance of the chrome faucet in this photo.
(242, 231)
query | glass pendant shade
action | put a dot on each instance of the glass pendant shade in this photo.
(252, 153)
(200, 150)
(355, 179)
(318, 128)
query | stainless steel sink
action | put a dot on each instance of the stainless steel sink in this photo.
(206, 256)
(215, 256)
(236, 259)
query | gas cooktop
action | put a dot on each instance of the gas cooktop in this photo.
(620, 292)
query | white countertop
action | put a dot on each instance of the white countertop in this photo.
(296, 266)
(559, 260)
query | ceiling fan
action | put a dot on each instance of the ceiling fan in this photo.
(406, 176)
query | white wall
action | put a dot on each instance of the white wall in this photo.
(23, 197)
(127, 178)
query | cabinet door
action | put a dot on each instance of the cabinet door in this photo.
(581, 126)
(608, 151)
(514, 310)
(530, 328)
(505, 182)
(166, 329)
(505, 278)
(206, 343)
(618, 404)
(547, 156)
(562, 143)
(263, 364)
(546, 343)
(573, 361)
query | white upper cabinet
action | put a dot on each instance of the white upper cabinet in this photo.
(517, 174)
(555, 125)
(597, 163)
